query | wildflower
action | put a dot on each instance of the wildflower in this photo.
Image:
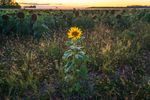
(149, 82)
(74, 33)
(118, 16)
(20, 15)
(64, 16)
(77, 14)
(34, 17)
(5, 17)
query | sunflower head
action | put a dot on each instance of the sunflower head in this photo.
(74, 33)
(149, 82)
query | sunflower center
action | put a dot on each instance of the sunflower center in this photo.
(75, 34)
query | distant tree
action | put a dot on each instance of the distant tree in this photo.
(3, 2)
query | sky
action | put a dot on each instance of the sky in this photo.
(90, 2)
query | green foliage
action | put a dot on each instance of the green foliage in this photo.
(17, 80)
(84, 22)
(146, 42)
(147, 17)
(61, 20)
(116, 42)
(75, 68)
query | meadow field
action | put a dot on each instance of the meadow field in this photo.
(75, 54)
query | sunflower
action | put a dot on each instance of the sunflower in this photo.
(74, 33)
(149, 82)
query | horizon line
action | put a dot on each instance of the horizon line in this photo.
(79, 5)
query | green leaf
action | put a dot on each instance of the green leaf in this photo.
(72, 47)
(68, 77)
(77, 87)
(67, 54)
(69, 66)
(83, 72)
(81, 52)
(69, 43)
(79, 57)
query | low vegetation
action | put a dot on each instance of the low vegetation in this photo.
(109, 58)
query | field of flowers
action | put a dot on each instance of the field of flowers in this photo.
(75, 55)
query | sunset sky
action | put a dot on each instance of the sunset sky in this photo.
(90, 2)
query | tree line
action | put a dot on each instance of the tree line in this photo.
(3, 2)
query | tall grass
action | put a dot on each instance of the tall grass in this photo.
(118, 65)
